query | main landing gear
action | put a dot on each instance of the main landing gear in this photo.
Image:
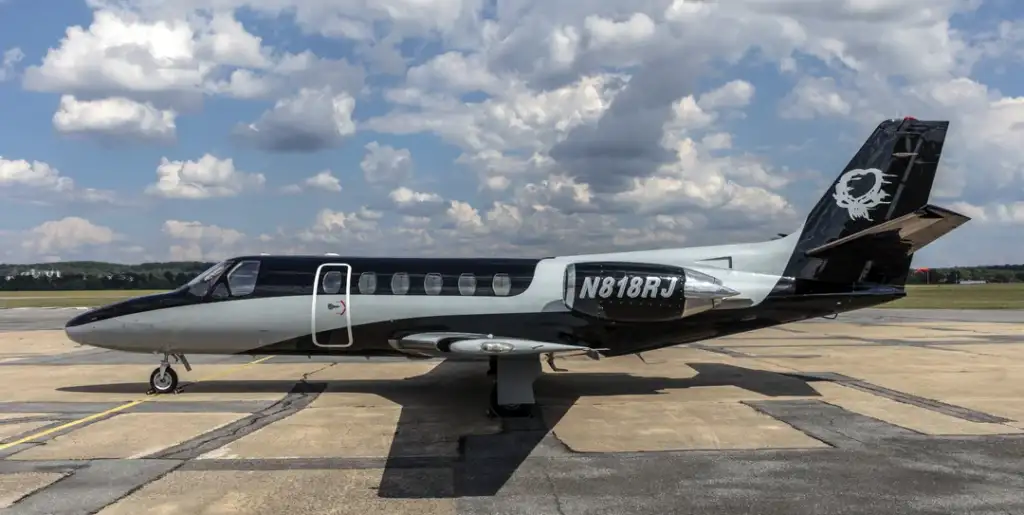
(164, 379)
(512, 393)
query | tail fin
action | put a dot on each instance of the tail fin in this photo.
(875, 215)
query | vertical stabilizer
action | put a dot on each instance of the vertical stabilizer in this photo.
(889, 177)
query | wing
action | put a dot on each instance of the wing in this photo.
(477, 345)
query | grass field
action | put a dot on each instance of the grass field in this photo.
(962, 296)
(60, 299)
(949, 296)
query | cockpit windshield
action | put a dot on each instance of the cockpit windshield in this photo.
(200, 285)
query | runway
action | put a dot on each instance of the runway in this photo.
(882, 411)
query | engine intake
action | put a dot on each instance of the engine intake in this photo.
(640, 292)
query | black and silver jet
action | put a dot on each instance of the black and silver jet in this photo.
(853, 251)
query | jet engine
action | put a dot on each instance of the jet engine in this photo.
(640, 292)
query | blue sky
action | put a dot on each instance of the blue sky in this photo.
(443, 122)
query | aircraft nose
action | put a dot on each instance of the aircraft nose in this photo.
(96, 327)
(80, 329)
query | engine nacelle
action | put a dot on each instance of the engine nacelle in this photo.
(640, 292)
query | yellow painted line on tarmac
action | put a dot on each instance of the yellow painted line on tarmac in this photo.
(122, 407)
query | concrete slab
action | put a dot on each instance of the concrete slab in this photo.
(904, 415)
(294, 491)
(34, 343)
(10, 429)
(99, 383)
(130, 435)
(16, 486)
(667, 426)
(894, 361)
(367, 431)
(1014, 352)
(123, 383)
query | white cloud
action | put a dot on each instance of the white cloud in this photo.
(9, 62)
(41, 183)
(814, 96)
(173, 58)
(416, 203)
(33, 175)
(196, 241)
(69, 233)
(309, 121)
(208, 177)
(737, 93)
(324, 180)
(386, 164)
(115, 117)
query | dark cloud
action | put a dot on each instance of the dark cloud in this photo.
(625, 143)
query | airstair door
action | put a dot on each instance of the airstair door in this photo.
(331, 312)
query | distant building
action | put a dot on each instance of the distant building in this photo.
(972, 281)
(41, 273)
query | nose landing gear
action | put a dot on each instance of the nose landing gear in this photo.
(164, 379)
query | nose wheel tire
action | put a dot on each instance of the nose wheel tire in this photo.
(163, 381)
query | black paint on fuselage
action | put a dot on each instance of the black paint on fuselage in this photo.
(566, 327)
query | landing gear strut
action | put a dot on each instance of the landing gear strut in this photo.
(512, 393)
(164, 379)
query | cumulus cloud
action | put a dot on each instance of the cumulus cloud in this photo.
(386, 164)
(325, 181)
(42, 183)
(115, 117)
(9, 62)
(67, 234)
(309, 121)
(173, 57)
(195, 241)
(207, 177)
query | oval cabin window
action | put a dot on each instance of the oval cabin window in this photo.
(331, 283)
(367, 283)
(432, 284)
(467, 284)
(502, 285)
(400, 283)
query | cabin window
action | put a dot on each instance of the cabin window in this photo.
(502, 284)
(467, 284)
(400, 283)
(242, 279)
(331, 283)
(367, 283)
(220, 291)
(432, 284)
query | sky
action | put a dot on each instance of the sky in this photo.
(144, 130)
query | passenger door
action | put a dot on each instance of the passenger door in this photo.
(331, 310)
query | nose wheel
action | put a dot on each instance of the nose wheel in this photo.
(164, 379)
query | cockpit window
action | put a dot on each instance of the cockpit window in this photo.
(242, 279)
(200, 285)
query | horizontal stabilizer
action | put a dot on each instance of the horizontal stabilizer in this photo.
(904, 235)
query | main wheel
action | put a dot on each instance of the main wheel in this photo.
(508, 410)
(163, 383)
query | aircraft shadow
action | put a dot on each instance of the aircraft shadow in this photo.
(447, 406)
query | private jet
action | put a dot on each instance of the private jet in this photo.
(853, 251)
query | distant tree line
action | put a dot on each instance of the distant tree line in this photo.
(990, 274)
(95, 275)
